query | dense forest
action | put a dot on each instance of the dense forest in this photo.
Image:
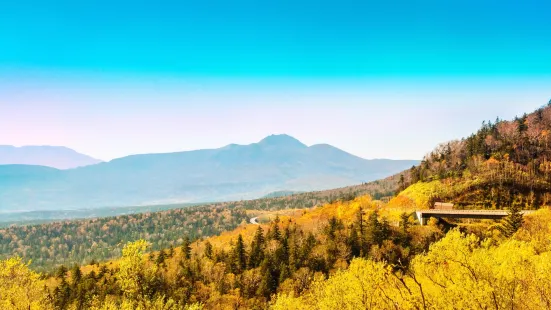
(344, 255)
(84, 241)
(503, 162)
(98, 239)
(461, 271)
(245, 268)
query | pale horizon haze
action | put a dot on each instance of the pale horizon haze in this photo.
(371, 119)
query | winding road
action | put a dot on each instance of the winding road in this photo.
(253, 221)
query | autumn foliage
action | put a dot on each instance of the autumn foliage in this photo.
(344, 255)
(461, 271)
(502, 162)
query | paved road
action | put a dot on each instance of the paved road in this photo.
(253, 221)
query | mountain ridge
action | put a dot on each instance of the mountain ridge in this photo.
(59, 157)
(277, 162)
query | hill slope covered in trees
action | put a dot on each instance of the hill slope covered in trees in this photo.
(81, 241)
(344, 255)
(504, 162)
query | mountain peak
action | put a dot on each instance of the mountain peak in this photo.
(59, 157)
(281, 140)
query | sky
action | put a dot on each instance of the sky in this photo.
(379, 79)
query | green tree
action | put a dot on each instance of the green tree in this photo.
(333, 226)
(170, 251)
(377, 231)
(61, 273)
(270, 276)
(239, 257)
(256, 255)
(76, 275)
(401, 183)
(186, 248)
(208, 250)
(307, 247)
(160, 258)
(275, 233)
(513, 221)
(404, 222)
(353, 242)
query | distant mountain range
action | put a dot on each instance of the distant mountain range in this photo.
(51, 156)
(234, 172)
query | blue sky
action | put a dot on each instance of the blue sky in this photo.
(88, 74)
(279, 38)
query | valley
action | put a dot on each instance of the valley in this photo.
(320, 249)
(102, 238)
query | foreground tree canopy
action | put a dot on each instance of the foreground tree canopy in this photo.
(21, 288)
(458, 272)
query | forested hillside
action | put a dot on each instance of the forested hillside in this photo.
(244, 268)
(82, 241)
(502, 163)
(344, 255)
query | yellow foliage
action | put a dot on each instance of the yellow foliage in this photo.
(537, 230)
(345, 211)
(422, 192)
(133, 274)
(364, 285)
(286, 302)
(402, 202)
(21, 288)
(492, 162)
(157, 304)
(458, 272)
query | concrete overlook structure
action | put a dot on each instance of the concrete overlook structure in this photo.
(423, 215)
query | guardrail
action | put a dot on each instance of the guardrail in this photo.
(470, 211)
(490, 214)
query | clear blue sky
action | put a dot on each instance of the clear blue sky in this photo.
(279, 38)
(68, 66)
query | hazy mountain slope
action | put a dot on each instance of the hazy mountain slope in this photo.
(12, 175)
(233, 172)
(280, 194)
(52, 156)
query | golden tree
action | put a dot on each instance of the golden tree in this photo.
(20, 287)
